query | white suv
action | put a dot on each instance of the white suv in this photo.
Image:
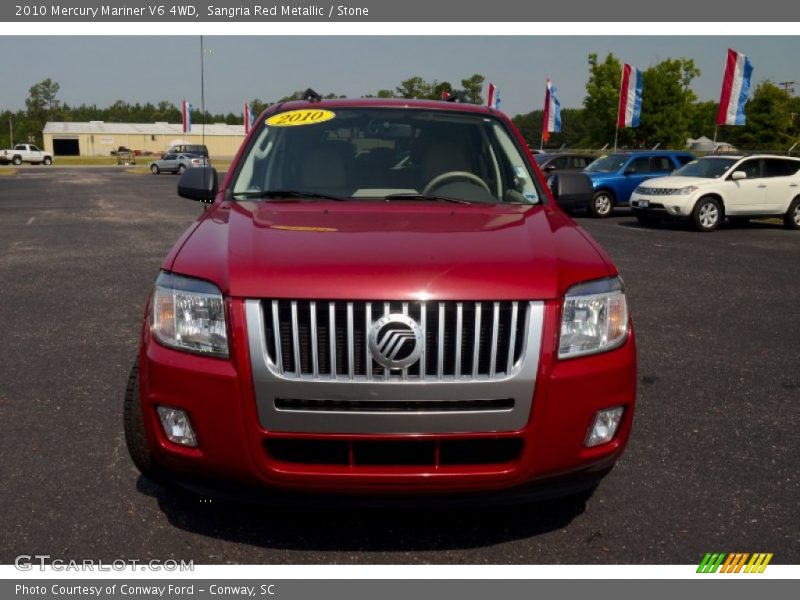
(714, 187)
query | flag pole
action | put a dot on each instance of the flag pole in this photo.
(619, 107)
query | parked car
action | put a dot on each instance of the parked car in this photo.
(615, 176)
(714, 187)
(25, 153)
(424, 322)
(563, 161)
(198, 149)
(177, 163)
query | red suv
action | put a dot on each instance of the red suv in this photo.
(383, 298)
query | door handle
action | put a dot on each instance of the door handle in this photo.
(792, 185)
(762, 186)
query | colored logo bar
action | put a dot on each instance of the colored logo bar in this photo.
(735, 562)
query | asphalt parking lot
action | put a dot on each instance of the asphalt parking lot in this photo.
(712, 464)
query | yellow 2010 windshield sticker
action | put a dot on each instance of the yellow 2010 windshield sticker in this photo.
(305, 116)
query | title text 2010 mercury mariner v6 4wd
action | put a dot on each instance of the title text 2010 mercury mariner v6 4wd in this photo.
(383, 299)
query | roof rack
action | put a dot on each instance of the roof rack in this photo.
(459, 96)
(311, 96)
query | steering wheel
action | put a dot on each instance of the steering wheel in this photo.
(454, 175)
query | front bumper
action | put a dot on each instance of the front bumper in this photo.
(236, 452)
(676, 207)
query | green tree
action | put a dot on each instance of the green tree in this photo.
(667, 103)
(573, 129)
(702, 118)
(768, 121)
(41, 106)
(602, 100)
(473, 86)
(414, 87)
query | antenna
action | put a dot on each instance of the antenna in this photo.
(203, 111)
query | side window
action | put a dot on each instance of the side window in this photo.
(662, 164)
(792, 166)
(579, 162)
(170, 157)
(638, 165)
(561, 162)
(34, 149)
(775, 167)
(751, 168)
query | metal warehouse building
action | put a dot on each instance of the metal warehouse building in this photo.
(98, 138)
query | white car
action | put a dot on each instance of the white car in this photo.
(711, 188)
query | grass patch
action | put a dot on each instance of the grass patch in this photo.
(87, 160)
(138, 170)
(7, 172)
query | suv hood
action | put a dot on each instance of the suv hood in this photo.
(382, 251)
(677, 181)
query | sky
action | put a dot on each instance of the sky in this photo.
(103, 69)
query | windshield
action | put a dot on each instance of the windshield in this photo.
(395, 154)
(608, 164)
(710, 168)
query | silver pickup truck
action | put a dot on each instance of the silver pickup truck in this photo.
(25, 153)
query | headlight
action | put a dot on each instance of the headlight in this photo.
(189, 314)
(685, 191)
(594, 319)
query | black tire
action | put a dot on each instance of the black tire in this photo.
(707, 214)
(48, 161)
(154, 169)
(791, 220)
(135, 437)
(648, 220)
(602, 204)
(17, 160)
(181, 169)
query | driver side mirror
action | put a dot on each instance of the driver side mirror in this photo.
(550, 167)
(199, 183)
(629, 171)
(738, 175)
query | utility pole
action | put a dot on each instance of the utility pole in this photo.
(788, 86)
(11, 129)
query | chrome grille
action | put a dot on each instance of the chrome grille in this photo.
(328, 340)
(651, 191)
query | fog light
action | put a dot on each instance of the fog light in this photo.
(176, 426)
(604, 426)
(676, 210)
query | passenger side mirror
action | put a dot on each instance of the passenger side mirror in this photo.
(550, 167)
(199, 183)
(738, 175)
(572, 188)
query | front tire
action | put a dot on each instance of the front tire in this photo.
(135, 438)
(48, 161)
(17, 160)
(602, 204)
(154, 169)
(791, 219)
(707, 214)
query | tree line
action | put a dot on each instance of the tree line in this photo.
(671, 112)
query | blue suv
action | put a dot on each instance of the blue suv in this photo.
(615, 176)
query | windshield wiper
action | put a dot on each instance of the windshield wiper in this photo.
(431, 197)
(286, 194)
